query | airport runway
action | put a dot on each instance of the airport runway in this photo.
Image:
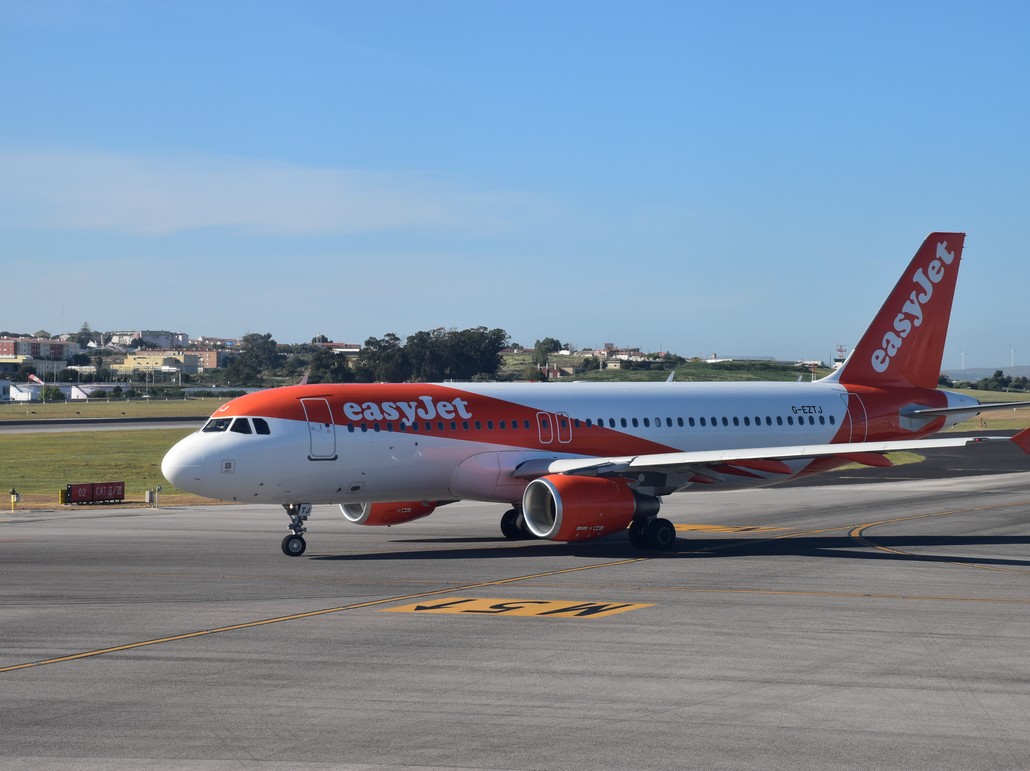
(855, 626)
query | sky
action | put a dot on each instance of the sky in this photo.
(738, 178)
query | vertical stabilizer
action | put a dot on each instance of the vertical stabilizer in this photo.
(905, 343)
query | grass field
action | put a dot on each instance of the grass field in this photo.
(40, 465)
(138, 408)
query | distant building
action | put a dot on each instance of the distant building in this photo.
(343, 349)
(159, 338)
(227, 342)
(39, 348)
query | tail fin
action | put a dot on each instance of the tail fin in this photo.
(905, 343)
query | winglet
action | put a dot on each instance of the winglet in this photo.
(1023, 440)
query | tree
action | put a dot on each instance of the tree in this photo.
(258, 354)
(84, 336)
(383, 360)
(329, 367)
(545, 348)
(52, 393)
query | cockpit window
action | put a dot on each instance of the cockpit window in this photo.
(261, 426)
(240, 426)
(216, 425)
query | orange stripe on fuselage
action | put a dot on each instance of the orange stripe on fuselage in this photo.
(471, 414)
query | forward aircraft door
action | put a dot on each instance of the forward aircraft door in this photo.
(321, 430)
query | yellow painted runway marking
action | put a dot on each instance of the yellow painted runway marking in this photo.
(506, 607)
(725, 529)
(312, 614)
(858, 533)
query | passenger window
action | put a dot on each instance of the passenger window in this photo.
(725, 421)
(501, 425)
(747, 421)
(525, 424)
(261, 426)
(833, 420)
(702, 422)
(240, 426)
(790, 420)
(217, 425)
(623, 422)
(691, 422)
(779, 420)
(479, 426)
(668, 422)
(635, 423)
(647, 423)
(736, 420)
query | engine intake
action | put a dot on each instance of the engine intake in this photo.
(571, 508)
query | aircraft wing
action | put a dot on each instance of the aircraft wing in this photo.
(713, 464)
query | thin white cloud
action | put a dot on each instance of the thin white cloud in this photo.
(158, 196)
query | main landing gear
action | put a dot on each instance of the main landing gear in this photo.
(513, 525)
(294, 544)
(655, 533)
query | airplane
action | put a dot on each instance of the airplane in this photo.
(579, 461)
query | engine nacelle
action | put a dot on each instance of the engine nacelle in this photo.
(386, 513)
(571, 508)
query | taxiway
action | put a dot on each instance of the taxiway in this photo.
(873, 626)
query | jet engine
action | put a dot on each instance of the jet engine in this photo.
(386, 513)
(572, 508)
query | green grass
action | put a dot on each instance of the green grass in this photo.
(152, 408)
(40, 465)
(997, 420)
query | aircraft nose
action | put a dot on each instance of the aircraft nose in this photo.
(182, 464)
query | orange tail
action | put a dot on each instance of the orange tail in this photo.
(905, 343)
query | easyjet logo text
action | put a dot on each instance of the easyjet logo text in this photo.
(911, 313)
(424, 408)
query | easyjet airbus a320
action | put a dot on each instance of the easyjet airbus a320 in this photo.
(583, 460)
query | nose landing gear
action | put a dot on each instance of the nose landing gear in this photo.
(294, 544)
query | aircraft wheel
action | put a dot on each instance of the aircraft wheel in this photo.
(510, 525)
(294, 545)
(660, 534)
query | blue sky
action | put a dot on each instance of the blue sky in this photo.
(740, 178)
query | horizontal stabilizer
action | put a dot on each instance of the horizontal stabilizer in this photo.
(974, 409)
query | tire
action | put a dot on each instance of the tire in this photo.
(294, 545)
(510, 526)
(660, 534)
